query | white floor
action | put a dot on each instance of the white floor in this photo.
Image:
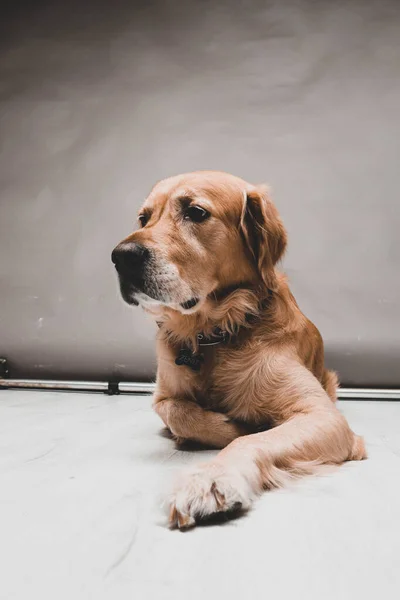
(82, 478)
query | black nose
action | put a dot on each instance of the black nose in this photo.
(129, 256)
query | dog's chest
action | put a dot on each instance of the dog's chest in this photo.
(220, 383)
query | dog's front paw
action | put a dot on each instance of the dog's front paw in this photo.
(175, 413)
(207, 490)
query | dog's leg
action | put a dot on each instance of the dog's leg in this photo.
(188, 421)
(315, 434)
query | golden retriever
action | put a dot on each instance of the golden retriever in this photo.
(239, 366)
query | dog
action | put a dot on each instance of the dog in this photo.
(240, 368)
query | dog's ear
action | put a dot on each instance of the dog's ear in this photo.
(263, 233)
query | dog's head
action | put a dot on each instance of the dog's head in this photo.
(200, 233)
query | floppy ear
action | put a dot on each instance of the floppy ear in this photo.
(263, 233)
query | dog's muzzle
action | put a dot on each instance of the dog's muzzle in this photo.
(145, 279)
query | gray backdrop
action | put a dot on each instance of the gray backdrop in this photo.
(100, 100)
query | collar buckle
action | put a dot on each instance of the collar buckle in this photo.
(217, 337)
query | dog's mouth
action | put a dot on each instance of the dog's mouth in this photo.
(135, 295)
(190, 303)
(128, 293)
(149, 292)
(136, 298)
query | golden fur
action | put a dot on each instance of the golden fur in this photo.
(266, 398)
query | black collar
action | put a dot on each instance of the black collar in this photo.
(194, 360)
(218, 336)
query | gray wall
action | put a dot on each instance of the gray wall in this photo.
(99, 101)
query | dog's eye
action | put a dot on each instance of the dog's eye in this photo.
(196, 214)
(143, 219)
